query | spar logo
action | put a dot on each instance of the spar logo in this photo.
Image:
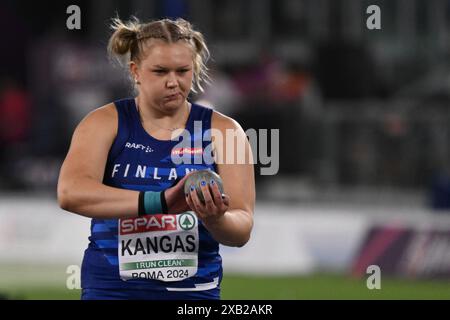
(156, 222)
(187, 221)
(183, 151)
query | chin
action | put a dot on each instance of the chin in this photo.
(172, 105)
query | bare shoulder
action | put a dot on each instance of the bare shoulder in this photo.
(103, 120)
(223, 122)
(106, 114)
(99, 129)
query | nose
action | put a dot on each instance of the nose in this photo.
(172, 81)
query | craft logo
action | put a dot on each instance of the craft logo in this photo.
(138, 146)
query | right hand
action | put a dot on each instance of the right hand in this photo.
(175, 197)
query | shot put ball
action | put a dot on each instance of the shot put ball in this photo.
(197, 177)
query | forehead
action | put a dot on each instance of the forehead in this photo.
(158, 52)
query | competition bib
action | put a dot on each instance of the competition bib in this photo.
(161, 247)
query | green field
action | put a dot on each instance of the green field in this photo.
(43, 283)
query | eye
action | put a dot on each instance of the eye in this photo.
(183, 70)
(159, 71)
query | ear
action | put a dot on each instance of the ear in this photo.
(134, 70)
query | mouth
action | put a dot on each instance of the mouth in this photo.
(172, 97)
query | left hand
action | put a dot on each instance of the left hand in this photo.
(215, 205)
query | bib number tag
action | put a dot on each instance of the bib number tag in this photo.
(161, 247)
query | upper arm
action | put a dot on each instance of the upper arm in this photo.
(90, 145)
(238, 176)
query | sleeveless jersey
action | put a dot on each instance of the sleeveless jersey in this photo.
(138, 161)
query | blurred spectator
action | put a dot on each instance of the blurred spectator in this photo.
(15, 114)
(221, 94)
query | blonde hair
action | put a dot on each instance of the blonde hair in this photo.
(128, 40)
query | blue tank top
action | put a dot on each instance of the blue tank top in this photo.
(138, 161)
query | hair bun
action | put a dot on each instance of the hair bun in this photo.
(124, 36)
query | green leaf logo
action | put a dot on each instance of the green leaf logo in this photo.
(187, 221)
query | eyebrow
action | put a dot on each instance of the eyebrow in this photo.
(165, 68)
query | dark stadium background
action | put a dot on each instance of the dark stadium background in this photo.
(364, 148)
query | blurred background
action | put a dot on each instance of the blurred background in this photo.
(364, 147)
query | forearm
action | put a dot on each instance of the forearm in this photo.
(93, 199)
(232, 229)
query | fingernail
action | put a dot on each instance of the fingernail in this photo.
(203, 183)
(211, 182)
(192, 188)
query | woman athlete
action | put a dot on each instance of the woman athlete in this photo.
(125, 169)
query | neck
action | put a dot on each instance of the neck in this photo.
(162, 119)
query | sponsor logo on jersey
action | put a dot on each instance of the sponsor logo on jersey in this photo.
(138, 146)
(182, 151)
(156, 222)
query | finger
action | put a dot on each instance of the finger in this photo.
(187, 175)
(225, 199)
(195, 207)
(195, 200)
(209, 203)
(179, 182)
(215, 192)
(190, 202)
